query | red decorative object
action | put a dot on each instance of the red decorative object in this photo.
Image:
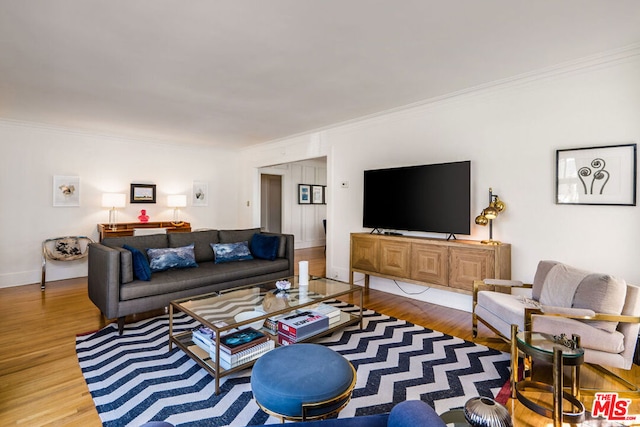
(143, 216)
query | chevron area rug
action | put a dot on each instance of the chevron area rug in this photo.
(133, 378)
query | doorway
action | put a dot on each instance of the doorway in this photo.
(271, 203)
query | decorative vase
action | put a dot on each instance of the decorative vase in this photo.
(486, 412)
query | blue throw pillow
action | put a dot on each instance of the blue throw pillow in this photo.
(166, 258)
(141, 269)
(227, 252)
(264, 246)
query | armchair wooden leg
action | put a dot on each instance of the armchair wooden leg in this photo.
(120, 325)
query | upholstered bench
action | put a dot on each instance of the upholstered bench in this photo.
(302, 382)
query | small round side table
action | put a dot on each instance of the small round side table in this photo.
(543, 347)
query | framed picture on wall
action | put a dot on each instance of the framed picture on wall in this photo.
(143, 193)
(317, 194)
(200, 193)
(596, 175)
(66, 191)
(304, 194)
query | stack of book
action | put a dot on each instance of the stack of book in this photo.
(300, 326)
(204, 337)
(332, 312)
(241, 347)
(271, 323)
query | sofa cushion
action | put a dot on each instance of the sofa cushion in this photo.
(560, 285)
(201, 239)
(590, 337)
(603, 294)
(264, 246)
(141, 269)
(141, 243)
(541, 274)
(228, 252)
(206, 274)
(501, 310)
(233, 236)
(161, 259)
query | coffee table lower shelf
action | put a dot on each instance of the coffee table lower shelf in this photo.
(184, 341)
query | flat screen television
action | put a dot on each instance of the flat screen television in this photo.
(430, 198)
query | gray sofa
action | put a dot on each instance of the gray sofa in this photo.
(115, 290)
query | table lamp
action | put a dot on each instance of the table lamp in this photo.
(177, 201)
(113, 201)
(488, 214)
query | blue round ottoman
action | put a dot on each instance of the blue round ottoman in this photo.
(302, 382)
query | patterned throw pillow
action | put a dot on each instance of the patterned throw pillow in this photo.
(161, 259)
(227, 252)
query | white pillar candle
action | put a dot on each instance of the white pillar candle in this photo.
(303, 273)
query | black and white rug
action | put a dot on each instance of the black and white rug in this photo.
(133, 378)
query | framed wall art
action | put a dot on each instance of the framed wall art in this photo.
(304, 194)
(143, 193)
(317, 194)
(596, 175)
(66, 191)
(200, 193)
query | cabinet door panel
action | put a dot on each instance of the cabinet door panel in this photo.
(429, 263)
(364, 253)
(467, 265)
(394, 258)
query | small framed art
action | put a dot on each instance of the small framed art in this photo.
(317, 194)
(304, 194)
(200, 193)
(143, 193)
(596, 175)
(66, 191)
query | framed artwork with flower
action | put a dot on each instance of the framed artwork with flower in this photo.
(596, 175)
(66, 191)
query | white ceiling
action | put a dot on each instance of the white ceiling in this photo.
(237, 73)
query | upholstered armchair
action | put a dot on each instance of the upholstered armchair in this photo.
(602, 309)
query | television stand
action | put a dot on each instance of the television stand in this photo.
(451, 236)
(446, 264)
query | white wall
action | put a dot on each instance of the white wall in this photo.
(510, 132)
(32, 154)
(303, 221)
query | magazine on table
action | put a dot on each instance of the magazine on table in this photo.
(241, 340)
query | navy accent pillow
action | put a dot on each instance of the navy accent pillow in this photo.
(141, 269)
(227, 252)
(264, 246)
(161, 259)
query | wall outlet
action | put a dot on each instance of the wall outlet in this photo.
(344, 184)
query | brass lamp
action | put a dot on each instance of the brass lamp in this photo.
(488, 214)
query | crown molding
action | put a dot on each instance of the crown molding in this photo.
(591, 62)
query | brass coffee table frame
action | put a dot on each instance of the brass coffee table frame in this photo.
(559, 356)
(209, 309)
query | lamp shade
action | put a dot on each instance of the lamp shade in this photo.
(177, 200)
(114, 200)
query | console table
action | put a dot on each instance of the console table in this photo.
(447, 264)
(126, 228)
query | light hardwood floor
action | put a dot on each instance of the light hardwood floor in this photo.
(41, 382)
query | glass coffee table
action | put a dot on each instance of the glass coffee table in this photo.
(217, 311)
